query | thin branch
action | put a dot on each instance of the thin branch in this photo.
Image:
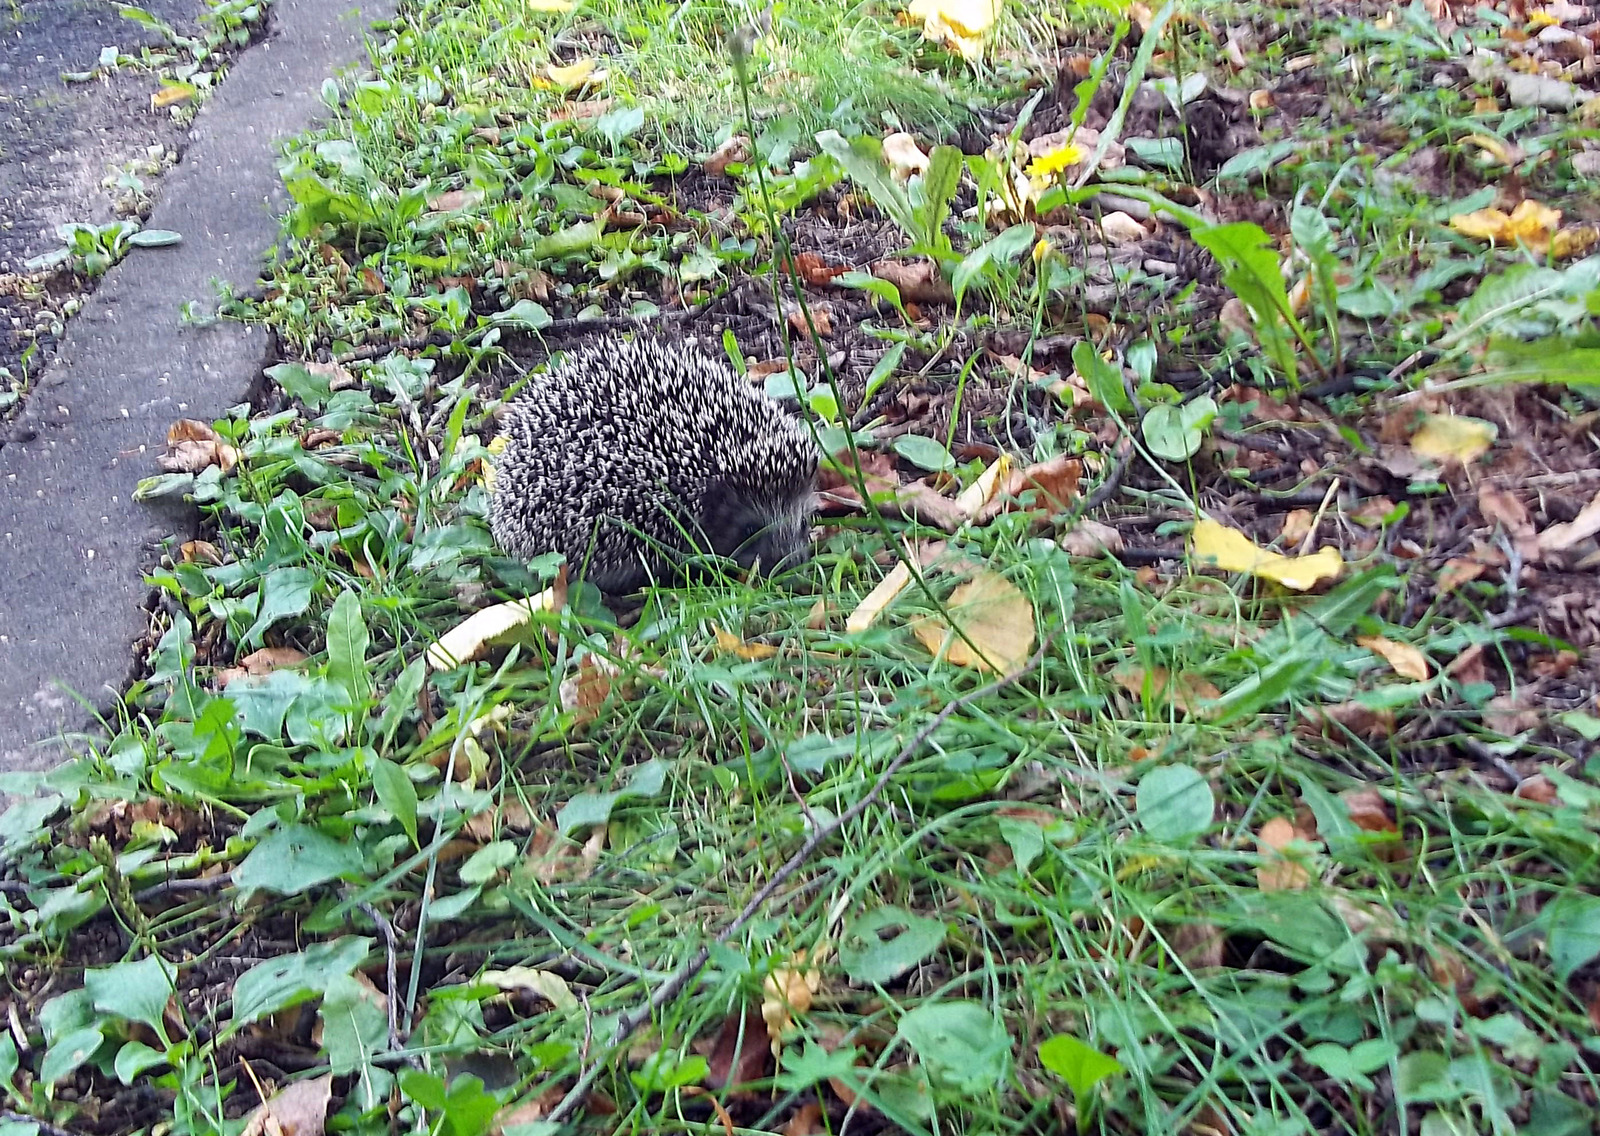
(673, 986)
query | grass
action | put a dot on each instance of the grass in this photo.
(1209, 866)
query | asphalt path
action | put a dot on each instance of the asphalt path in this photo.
(74, 546)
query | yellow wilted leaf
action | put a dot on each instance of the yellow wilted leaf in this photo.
(879, 598)
(728, 641)
(574, 74)
(994, 615)
(497, 626)
(958, 24)
(981, 491)
(1573, 242)
(548, 5)
(1443, 437)
(1232, 551)
(1407, 661)
(1529, 223)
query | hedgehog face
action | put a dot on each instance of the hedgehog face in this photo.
(770, 527)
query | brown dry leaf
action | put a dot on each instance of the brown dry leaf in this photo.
(983, 490)
(199, 552)
(300, 1109)
(1508, 715)
(1277, 872)
(735, 149)
(1045, 488)
(1362, 721)
(1574, 241)
(1407, 661)
(742, 1052)
(807, 1121)
(733, 645)
(1500, 507)
(1457, 571)
(994, 615)
(1296, 527)
(554, 859)
(868, 610)
(1188, 692)
(269, 659)
(1121, 229)
(453, 199)
(1537, 788)
(1199, 945)
(1468, 667)
(1368, 810)
(816, 272)
(821, 319)
(917, 280)
(193, 446)
(1091, 538)
(1560, 538)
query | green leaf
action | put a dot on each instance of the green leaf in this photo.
(862, 159)
(1174, 804)
(665, 1070)
(587, 809)
(1025, 839)
(924, 453)
(1081, 1066)
(1174, 433)
(572, 240)
(1250, 269)
(297, 858)
(960, 1043)
(297, 382)
(1103, 379)
(279, 983)
(883, 944)
(396, 792)
(1550, 360)
(138, 991)
(355, 1027)
(67, 1056)
(524, 314)
(347, 650)
(1574, 935)
(1003, 248)
(487, 862)
(939, 186)
(812, 1065)
(8, 1062)
(285, 592)
(154, 238)
(882, 369)
(134, 1058)
(615, 125)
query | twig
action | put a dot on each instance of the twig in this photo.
(210, 883)
(1316, 521)
(1112, 481)
(386, 929)
(681, 978)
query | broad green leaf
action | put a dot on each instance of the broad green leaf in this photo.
(1103, 379)
(666, 1070)
(487, 862)
(571, 241)
(524, 314)
(138, 991)
(939, 187)
(295, 859)
(154, 238)
(924, 453)
(883, 944)
(960, 1043)
(134, 1058)
(279, 983)
(8, 1062)
(1250, 270)
(1574, 936)
(396, 793)
(355, 1028)
(1552, 360)
(285, 592)
(588, 809)
(1174, 804)
(1025, 839)
(1081, 1066)
(862, 159)
(882, 370)
(1174, 433)
(1003, 248)
(347, 650)
(297, 382)
(67, 1056)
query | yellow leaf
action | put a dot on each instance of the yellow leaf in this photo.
(1529, 223)
(958, 24)
(575, 74)
(1575, 241)
(548, 5)
(1496, 148)
(731, 643)
(981, 491)
(1443, 437)
(994, 615)
(879, 598)
(1232, 551)
(1407, 661)
(497, 626)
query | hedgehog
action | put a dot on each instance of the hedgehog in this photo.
(631, 455)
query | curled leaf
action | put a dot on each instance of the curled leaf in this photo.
(1232, 551)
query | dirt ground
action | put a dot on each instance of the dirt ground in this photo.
(59, 142)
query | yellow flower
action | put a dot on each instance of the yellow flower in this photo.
(1054, 162)
(1041, 250)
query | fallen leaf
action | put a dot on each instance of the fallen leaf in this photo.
(733, 645)
(1091, 538)
(1232, 551)
(807, 1121)
(1537, 788)
(741, 1053)
(171, 94)
(1561, 537)
(1508, 715)
(993, 615)
(868, 610)
(1277, 872)
(1046, 488)
(960, 25)
(574, 74)
(1363, 721)
(544, 985)
(299, 1109)
(1468, 667)
(816, 272)
(975, 496)
(1457, 571)
(916, 280)
(1453, 437)
(269, 659)
(1407, 661)
(1368, 810)
(904, 156)
(453, 199)
(1296, 527)
(1530, 224)
(1574, 241)
(1500, 507)
(583, 692)
(497, 626)
(735, 150)
(1188, 692)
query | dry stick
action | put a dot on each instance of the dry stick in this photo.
(674, 985)
(45, 1127)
